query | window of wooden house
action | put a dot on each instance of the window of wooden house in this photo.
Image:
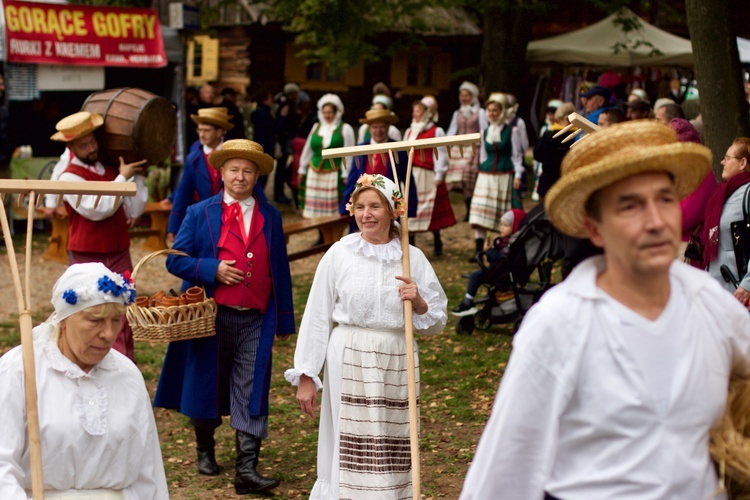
(317, 76)
(419, 72)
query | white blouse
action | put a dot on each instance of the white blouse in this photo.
(355, 284)
(97, 429)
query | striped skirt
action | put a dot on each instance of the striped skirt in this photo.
(434, 211)
(462, 171)
(492, 197)
(322, 193)
(375, 453)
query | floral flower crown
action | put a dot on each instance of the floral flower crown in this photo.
(386, 186)
(123, 292)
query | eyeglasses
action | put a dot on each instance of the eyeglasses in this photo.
(727, 157)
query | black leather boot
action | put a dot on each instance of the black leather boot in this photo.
(246, 479)
(204, 438)
(438, 243)
(468, 208)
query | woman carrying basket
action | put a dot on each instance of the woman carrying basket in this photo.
(236, 250)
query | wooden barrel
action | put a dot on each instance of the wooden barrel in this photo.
(138, 125)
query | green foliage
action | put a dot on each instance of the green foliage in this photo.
(114, 3)
(340, 32)
(631, 25)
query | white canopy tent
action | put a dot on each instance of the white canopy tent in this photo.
(743, 44)
(595, 45)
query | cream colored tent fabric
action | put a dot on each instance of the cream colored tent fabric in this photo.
(594, 45)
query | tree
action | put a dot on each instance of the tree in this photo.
(717, 64)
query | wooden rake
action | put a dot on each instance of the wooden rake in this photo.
(578, 125)
(388, 148)
(36, 190)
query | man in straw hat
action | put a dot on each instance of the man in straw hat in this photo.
(618, 373)
(235, 249)
(379, 122)
(199, 179)
(98, 232)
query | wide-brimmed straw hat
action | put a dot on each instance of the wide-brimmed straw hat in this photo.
(214, 116)
(618, 152)
(379, 116)
(242, 148)
(77, 125)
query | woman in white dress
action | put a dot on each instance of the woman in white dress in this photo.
(354, 323)
(323, 182)
(98, 435)
(469, 118)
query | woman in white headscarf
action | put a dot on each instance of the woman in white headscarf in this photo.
(470, 118)
(98, 435)
(434, 210)
(500, 169)
(322, 183)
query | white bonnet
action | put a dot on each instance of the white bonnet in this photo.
(86, 285)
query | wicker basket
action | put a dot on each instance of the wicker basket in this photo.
(173, 323)
(730, 441)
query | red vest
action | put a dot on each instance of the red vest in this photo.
(428, 162)
(104, 236)
(253, 260)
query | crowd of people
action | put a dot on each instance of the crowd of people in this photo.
(624, 363)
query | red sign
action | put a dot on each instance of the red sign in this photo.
(89, 36)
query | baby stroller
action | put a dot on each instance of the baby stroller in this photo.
(535, 247)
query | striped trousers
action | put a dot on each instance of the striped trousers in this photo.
(238, 336)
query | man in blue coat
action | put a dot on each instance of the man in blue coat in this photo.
(199, 179)
(237, 251)
(378, 120)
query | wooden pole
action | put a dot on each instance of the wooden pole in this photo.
(29, 371)
(409, 333)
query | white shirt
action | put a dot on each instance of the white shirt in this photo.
(574, 415)
(133, 205)
(355, 284)
(97, 428)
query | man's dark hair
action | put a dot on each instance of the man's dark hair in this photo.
(672, 110)
(228, 91)
(614, 115)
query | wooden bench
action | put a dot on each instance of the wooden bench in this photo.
(157, 233)
(332, 227)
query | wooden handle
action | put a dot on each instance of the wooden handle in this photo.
(146, 258)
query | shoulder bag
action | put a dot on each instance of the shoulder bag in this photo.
(740, 230)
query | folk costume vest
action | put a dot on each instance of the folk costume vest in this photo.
(251, 258)
(428, 162)
(498, 153)
(104, 236)
(468, 125)
(316, 143)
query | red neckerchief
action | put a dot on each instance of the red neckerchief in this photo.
(228, 214)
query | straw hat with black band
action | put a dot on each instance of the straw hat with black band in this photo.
(76, 126)
(618, 152)
(217, 117)
(379, 116)
(242, 148)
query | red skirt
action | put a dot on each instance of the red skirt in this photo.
(442, 214)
